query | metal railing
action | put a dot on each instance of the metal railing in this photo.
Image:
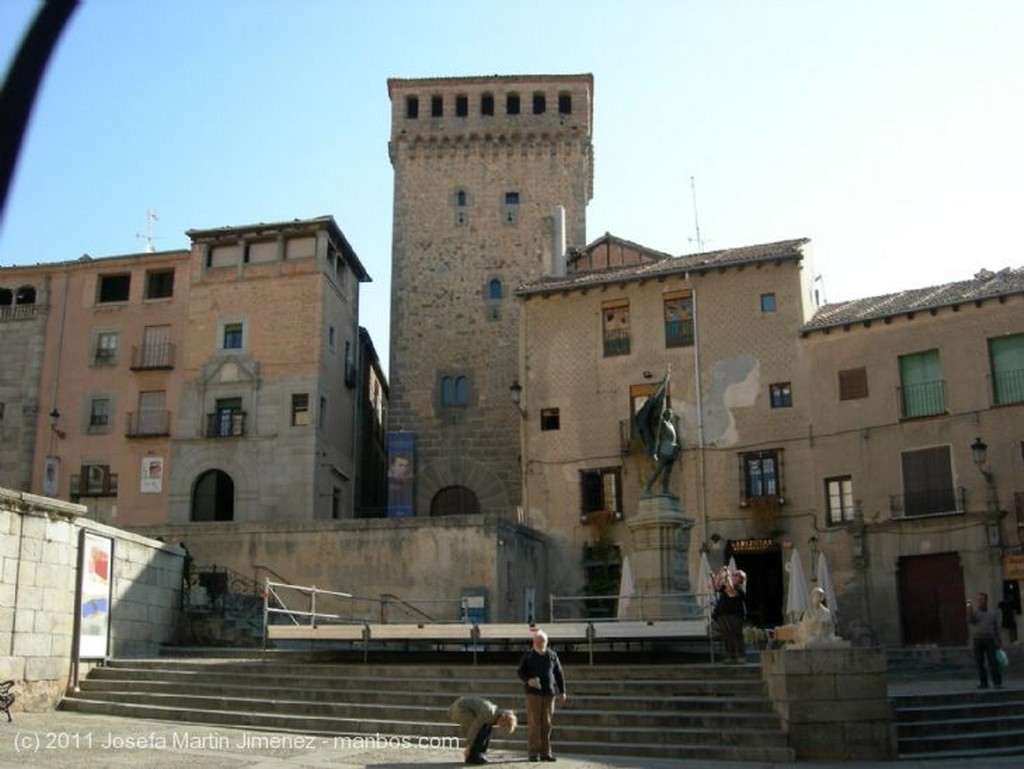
(642, 607)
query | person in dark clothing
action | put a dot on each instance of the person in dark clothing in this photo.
(730, 612)
(478, 717)
(984, 627)
(542, 673)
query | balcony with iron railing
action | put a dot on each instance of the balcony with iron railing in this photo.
(679, 333)
(148, 424)
(1007, 387)
(225, 424)
(10, 312)
(926, 399)
(153, 356)
(616, 342)
(934, 501)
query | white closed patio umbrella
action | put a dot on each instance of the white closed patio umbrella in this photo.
(796, 597)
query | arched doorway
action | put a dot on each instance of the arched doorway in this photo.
(454, 500)
(213, 497)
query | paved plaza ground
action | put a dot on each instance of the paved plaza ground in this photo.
(68, 740)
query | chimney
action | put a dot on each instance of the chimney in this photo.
(558, 242)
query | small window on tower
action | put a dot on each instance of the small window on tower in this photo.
(412, 107)
(461, 105)
(487, 104)
(510, 212)
(512, 104)
(540, 104)
(436, 106)
(564, 104)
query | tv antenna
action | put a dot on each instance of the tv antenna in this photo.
(696, 220)
(148, 236)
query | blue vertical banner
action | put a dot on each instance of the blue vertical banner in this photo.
(401, 474)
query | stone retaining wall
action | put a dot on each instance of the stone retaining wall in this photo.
(833, 702)
(39, 541)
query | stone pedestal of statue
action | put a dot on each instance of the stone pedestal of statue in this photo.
(660, 559)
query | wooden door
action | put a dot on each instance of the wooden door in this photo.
(932, 600)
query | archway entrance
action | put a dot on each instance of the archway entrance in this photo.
(454, 500)
(213, 497)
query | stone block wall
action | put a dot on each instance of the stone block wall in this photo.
(834, 703)
(39, 541)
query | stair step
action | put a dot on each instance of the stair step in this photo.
(701, 711)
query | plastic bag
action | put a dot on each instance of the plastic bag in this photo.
(1001, 658)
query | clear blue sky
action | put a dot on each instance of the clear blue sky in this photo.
(889, 132)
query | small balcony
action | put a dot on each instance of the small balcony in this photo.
(148, 424)
(225, 424)
(153, 356)
(926, 399)
(9, 312)
(616, 343)
(935, 501)
(1008, 387)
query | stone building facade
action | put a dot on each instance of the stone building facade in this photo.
(490, 172)
(268, 418)
(24, 311)
(841, 435)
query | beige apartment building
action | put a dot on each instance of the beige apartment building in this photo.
(100, 379)
(841, 434)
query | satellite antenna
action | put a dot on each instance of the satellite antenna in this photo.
(696, 219)
(148, 237)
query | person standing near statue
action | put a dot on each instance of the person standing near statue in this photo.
(983, 624)
(730, 612)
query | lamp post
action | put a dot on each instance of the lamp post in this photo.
(993, 531)
(515, 391)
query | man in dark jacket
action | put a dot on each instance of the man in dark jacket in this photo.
(541, 671)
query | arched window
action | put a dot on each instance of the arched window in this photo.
(25, 295)
(494, 289)
(454, 500)
(213, 497)
(454, 391)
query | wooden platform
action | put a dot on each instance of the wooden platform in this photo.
(492, 633)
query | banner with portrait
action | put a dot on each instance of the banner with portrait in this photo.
(401, 474)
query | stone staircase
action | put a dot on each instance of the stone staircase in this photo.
(693, 711)
(955, 720)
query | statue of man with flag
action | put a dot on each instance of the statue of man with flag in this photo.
(657, 430)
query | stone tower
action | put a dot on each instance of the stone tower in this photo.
(492, 180)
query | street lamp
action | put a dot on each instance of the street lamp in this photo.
(515, 391)
(54, 422)
(993, 531)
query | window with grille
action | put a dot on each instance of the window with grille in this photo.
(922, 391)
(678, 319)
(615, 327)
(760, 475)
(1006, 357)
